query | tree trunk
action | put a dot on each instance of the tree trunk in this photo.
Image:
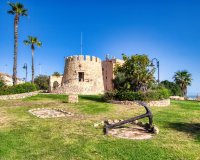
(185, 92)
(16, 20)
(33, 71)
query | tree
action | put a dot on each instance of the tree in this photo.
(120, 82)
(17, 10)
(57, 74)
(32, 41)
(183, 79)
(2, 83)
(137, 73)
(174, 88)
(42, 81)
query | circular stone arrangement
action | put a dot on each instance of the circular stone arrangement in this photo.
(132, 132)
(49, 113)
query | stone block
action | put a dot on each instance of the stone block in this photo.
(177, 98)
(73, 98)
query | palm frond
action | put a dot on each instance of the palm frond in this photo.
(11, 4)
(30, 38)
(24, 12)
(26, 42)
(39, 44)
(19, 5)
(17, 8)
(32, 41)
(11, 12)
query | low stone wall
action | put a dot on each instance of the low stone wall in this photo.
(18, 96)
(177, 98)
(160, 103)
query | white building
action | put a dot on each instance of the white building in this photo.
(8, 79)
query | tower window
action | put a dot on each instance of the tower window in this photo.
(81, 76)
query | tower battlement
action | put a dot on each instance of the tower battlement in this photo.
(86, 58)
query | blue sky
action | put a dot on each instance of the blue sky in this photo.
(168, 30)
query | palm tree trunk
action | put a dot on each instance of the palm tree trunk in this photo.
(33, 71)
(185, 92)
(16, 20)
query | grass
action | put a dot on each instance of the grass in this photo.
(24, 136)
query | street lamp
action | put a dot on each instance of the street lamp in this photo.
(25, 67)
(158, 66)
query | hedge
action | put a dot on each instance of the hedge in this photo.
(20, 88)
(151, 95)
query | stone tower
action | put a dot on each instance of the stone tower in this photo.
(82, 75)
(108, 67)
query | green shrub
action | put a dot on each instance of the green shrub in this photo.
(57, 74)
(109, 95)
(2, 83)
(174, 88)
(20, 88)
(151, 95)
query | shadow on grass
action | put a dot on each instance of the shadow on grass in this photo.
(95, 98)
(191, 128)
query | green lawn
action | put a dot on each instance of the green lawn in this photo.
(24, 136)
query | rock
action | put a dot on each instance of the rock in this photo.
(116, 121)
(99, 124)
(155, 130)
(135, 122)
(110, 121)
(96, 125)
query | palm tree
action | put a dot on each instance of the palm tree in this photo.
(57, 74)
(32, 41)
(183, 79)
(17, 10)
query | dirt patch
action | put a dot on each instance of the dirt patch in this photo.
(3, 119)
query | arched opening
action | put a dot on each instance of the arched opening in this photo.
(55, 85)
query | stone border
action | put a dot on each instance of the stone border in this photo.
(50, 113)
(177, 98)
(160, 103)
(19, 96)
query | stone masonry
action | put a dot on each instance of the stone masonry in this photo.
(108, 67)
(19, 96)
(73, 98)
(82, 75)
(54, 82)
(159, 103)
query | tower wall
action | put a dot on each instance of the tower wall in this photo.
(108, 67)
